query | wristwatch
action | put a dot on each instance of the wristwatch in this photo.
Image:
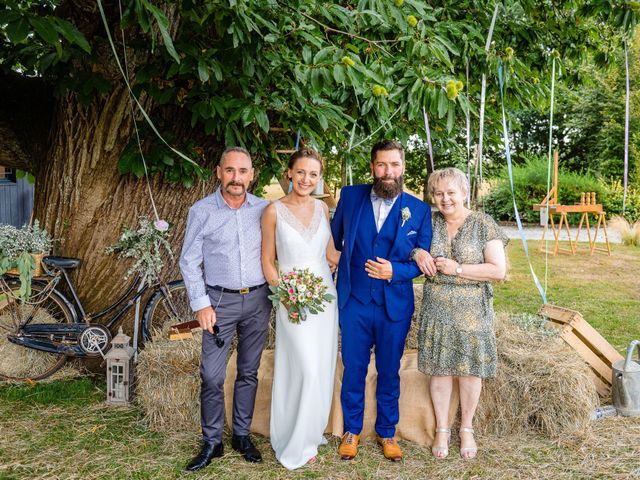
(459, 270)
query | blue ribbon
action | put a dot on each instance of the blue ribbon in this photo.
(507, 151)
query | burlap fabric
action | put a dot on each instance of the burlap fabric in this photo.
(417, 420)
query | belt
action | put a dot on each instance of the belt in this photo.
(242, 291)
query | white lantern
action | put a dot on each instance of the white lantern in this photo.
(120, 370)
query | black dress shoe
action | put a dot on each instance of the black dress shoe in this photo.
(248, 450)
(208, 452)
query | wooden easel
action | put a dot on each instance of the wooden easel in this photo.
(586, 206)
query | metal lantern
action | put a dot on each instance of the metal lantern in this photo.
(120, 370)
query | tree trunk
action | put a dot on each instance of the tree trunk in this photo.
(84, 202)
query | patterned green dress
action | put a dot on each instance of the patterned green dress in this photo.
(456, 335)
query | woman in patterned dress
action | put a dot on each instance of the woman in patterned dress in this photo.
(456, 337)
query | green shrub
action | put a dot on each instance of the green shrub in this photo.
(530, 184)
(612, 202)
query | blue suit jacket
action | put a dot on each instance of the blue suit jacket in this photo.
(416, 232)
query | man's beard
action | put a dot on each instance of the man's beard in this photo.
(388, 190)
(235, 184)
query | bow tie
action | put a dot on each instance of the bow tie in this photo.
(387, 201)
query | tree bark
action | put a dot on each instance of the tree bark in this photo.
(84, 202)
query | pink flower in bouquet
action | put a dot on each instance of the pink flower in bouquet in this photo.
(161, 225)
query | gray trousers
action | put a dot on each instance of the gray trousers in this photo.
(248, 316)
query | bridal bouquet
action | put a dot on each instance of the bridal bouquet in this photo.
(300, 291)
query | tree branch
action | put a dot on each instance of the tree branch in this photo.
(327, 28)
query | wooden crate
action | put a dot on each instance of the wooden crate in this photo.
(586, 341)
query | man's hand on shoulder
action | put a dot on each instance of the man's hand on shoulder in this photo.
(206, 318)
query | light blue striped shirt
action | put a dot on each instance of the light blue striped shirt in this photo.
(226, 241)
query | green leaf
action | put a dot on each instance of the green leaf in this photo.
(217, 71)
(353, 48)
(47, 31)
(187, 182)
(72, 34)
(451, 116)
(322, 120)
(143, 18)
(137, 167)
(262, 119)
(443, 103)
(163, 25)
(445, 41)
(441, 54)
(126, 159)
(306, 54)
(322, 54)
(203, 72)
(338, 73)
(17, 31)
(8, 16)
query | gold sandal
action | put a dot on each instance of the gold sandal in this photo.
(435, 451)
(468, 450)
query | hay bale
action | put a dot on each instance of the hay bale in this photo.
(541, 384)
(168, 384)
(411, 342)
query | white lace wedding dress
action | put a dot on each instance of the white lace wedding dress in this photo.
(305, 353)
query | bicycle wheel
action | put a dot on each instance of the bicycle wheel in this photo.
(168, 306)
(18, 362)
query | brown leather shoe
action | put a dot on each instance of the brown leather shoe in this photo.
(390, 448)
(348, 448)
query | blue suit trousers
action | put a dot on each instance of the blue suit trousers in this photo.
(363, 327)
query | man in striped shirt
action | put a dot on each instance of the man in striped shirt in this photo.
(230, 295)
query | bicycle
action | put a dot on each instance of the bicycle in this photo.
(39, 335)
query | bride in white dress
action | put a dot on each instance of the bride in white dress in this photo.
(296, 233)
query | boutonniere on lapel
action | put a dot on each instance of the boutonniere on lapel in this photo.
(406, 215)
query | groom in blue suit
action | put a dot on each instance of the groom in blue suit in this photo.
(377, 228)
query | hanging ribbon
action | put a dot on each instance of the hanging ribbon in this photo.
(298, 141)
(553, 87)
(135, 126)
(428, 132)
(483, 90)
(626, 128)
(507, 151)
(349, 167)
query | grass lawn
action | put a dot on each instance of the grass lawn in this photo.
(62, 430)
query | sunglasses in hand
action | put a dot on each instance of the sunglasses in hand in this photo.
(219, 341)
